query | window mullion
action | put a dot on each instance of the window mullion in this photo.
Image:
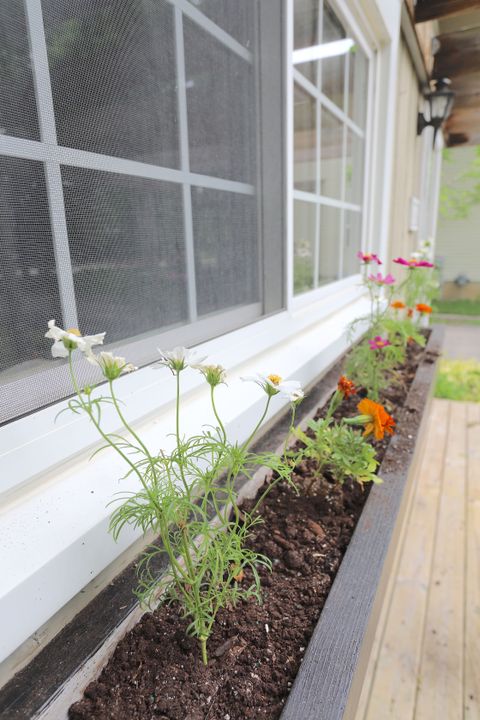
(185, 166)
(53, 179)
(344, 167)
(318, 156)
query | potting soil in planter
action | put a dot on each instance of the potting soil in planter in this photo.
(156, 672)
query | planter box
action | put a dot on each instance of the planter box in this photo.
(331, 675)
(330, 679)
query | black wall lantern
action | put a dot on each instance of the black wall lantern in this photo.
(439, 105)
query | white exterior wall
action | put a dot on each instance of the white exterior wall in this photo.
(53, 515)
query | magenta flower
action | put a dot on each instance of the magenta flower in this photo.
(378, 343)
(367, 258)
(412, 263)
(378, 279)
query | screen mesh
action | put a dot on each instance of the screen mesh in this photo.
(127, 251)
(18, 112)
(145, 203)
(112, 68)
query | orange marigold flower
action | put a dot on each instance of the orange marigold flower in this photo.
(422, 308)
(380, 423)
(346, 386)
(398, 305)
(410, 312)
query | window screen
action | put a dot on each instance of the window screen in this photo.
(141, 173)
(330, 103)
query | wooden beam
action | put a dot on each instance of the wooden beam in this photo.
(458, 54)
(435, 9)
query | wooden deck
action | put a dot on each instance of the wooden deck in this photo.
(425, 663)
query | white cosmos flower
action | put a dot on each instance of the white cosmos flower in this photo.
(275, 385)
(67, 340)
(112, 366)
(179, 358)
(213, 374)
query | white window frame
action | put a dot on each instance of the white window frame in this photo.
(36, 438)
(53, 156)
(295, 76)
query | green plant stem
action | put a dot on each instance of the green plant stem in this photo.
(215, 412)
(107, 439)
(257, 426)
(203, 645)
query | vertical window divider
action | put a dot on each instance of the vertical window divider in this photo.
(318, 139)
(53, 178)
(344, 165)
(185, 165)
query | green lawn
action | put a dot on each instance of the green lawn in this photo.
(458, 380)
(457, 307)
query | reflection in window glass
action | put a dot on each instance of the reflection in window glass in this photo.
(18, 113)
(329, 263)
(226, 249)
(304, 245)
(357, 86)
(112, 68)
(331, 157)
(333, 68)
(352, 238)
(221, 108)
(342, 79)
(305, 34)
(354, 166)
(28, 280)
(305, 143)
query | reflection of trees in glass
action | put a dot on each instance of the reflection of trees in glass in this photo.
(18, 114)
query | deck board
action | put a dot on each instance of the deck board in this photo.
(425, 663)
(472, 587)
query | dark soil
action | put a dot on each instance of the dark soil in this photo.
(156, 672)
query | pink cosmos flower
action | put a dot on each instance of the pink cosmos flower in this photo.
(367, 258)
(412, 263)
(378, 279)
(378, 343)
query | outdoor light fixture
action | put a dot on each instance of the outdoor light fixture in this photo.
(318, 52)
(439, 105)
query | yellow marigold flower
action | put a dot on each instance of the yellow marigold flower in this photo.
(380, 421)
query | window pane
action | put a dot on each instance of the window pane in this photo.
(354, 169)
(18, 112)
(221, 108)
(329, 244)
(112, 66)
(352, 235)
(305, 34)
(127, 250)
(28, 282)
(358, 86)
(236, 17)
(304, 245)
(305, 142)
(333, 68)
(331, 156)
(226, 249)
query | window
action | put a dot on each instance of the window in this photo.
(330, 107)
(141, 170)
